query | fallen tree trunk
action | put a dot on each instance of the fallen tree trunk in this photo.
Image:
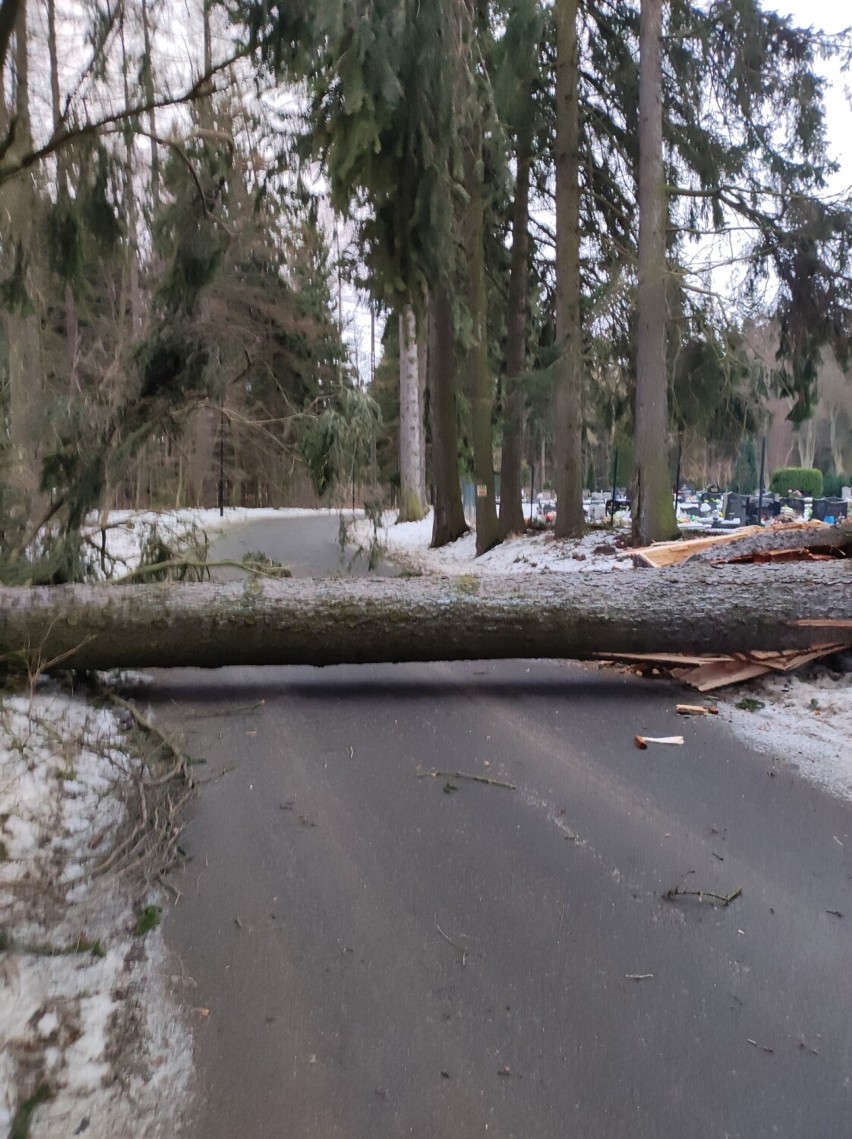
(697, 609)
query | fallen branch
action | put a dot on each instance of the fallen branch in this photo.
(464, 775)
(178, 565)
(722, 899)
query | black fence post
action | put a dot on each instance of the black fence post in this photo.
(614, 485)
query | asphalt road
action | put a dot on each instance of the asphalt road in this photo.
(385, 955)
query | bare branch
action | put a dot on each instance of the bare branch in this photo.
(62, 136)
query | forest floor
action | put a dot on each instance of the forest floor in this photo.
(94, 1043)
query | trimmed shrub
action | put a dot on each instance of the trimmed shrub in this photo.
(833, 484)
(806, 480)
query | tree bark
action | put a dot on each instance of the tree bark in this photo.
(448, 522)
(412, 504)
(368, 620)
(478, 370)
(569, 364)
(422, 385)
(72, 330)
(148, 88)
(511, 507)
(652, 506)
(23, 466)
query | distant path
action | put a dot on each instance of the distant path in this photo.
(387, 956)
(308, 546)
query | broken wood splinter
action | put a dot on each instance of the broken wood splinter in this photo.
(643, 741)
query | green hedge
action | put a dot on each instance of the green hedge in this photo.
(804, 479)
(833, 484)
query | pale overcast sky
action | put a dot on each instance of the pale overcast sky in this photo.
(830, 16)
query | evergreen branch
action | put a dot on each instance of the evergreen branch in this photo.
(187, 162)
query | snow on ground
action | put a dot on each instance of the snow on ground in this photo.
(408, 545)
(89, 1031)
(804, 719)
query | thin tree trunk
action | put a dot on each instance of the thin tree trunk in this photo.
(132, 249)
(511, 508)
(806, 442)
(835, 442)
(71, 322)
(412, 505)
(22, 322)
(478, 369)
(448, 521)
(569, 336)
(422, 382)
(148, 88)
(652, 507)
(371, 620)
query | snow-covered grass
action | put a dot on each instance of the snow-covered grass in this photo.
(87, 1025)
(804, 719)
(408, 544)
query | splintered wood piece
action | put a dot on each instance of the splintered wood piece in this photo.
(712, 676)
(670, 553)
(696, 710)
(643, 741)
(668, 658)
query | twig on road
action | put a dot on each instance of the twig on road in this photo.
(454, 944)
(465, 775)
(723, 899)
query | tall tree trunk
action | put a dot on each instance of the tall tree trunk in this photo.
(806, 442)
(200, 465)
(835, 441)
(478, 369)
(422, 383)
(368, 620)
(412, 504)
(72, 329)
(148, 89)
(511, 508)
(131, 267)
(569, 334)
(9, 12)
(652, 507)
(448, 522)
(21, 318)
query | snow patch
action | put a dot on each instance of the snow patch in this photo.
(84, 1011)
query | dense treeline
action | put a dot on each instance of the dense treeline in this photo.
(530, 195)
